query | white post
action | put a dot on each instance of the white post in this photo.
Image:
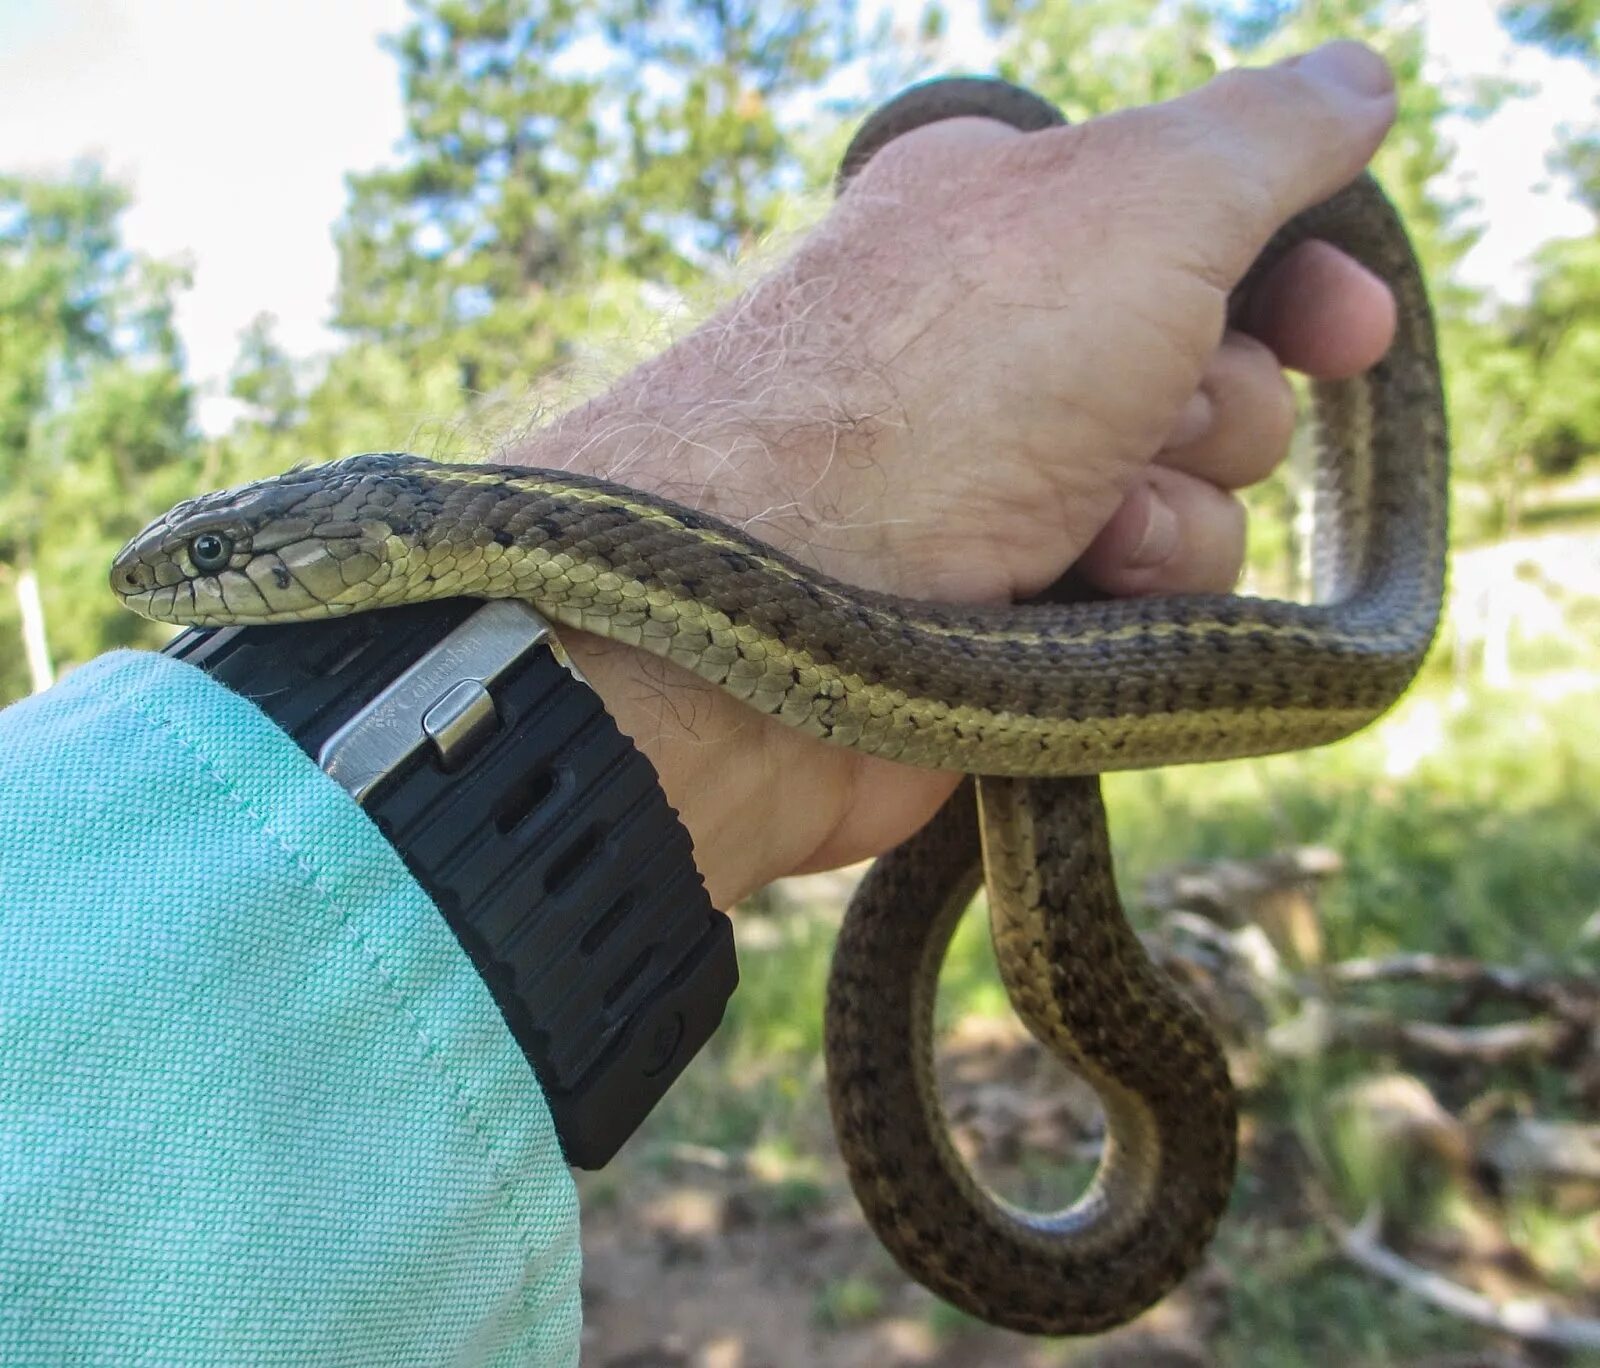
(35, 644)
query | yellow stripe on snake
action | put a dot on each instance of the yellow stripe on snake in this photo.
(1037, 700)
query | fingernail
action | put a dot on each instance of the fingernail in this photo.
(1160, 537)
(1194, 422)
(1349, 67)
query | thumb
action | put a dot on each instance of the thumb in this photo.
(1252, 148)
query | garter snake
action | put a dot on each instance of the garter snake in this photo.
(1037, 700)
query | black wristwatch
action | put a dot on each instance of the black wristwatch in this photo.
(537, 828)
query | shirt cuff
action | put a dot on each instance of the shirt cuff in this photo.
(256, 1105)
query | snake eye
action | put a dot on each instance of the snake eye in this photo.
(210, 551)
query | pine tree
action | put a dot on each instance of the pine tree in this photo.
(560, 159)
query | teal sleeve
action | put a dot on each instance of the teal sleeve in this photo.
(256, 1106)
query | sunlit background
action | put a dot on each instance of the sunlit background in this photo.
(234, 126)
(237, 236)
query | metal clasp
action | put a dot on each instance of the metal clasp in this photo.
(444, 702)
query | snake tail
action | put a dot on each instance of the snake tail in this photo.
(1075, 972)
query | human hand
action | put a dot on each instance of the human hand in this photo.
(999, 355)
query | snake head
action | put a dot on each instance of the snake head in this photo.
(315, 542)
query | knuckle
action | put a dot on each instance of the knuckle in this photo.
(887, 165)
(1046, 152)
(1220, 551)
(936, 152)
(1283, 415)
(1251, 368)
(1233, 522)
(1275, 396)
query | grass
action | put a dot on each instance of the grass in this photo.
(848, 1301)
(1465, 822)
(1468, 825)
(1293, 1304)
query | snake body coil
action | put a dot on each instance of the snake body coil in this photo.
(1035, 699)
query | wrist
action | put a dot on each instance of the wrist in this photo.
(728, 770)
(730, 773)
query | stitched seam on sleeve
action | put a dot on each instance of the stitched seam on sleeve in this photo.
(312, 878)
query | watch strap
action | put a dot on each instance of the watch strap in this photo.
(539, 831)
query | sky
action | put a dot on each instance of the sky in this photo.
(235, 124)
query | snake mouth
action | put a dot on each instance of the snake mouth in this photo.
(160, 605)
(136, 600)
(171, 606)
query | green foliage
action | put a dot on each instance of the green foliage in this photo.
(58, 262)
(553, 149)
(455, 253)
(1558, 334)
(1528, 403)
(94, 408)
(263, 378)
(715, 91)
(848, 1301)
(1565, 26)
(1292, 1304)
(1542, 382)
(1095, 56)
